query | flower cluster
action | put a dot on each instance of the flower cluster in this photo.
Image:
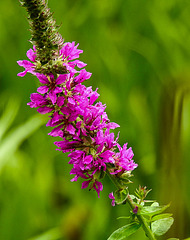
(78, 119)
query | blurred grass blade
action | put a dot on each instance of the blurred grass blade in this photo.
(10, 144)
(52, 234)
(8, 116)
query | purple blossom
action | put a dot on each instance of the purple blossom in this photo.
(111, 196)
(67, 146)
(70, 51)
(83, 75)
(80, 159)
(124, 160)
(29, 67)
(50, 85)
(37, 100)
(135, 210)
(79, 120)
(94, 184)
(55, 119)
(57, 131)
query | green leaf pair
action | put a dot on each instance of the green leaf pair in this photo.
(160, 223)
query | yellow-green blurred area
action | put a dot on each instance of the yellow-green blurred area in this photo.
(139, 54)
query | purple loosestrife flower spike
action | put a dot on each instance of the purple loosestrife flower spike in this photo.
(76, 115)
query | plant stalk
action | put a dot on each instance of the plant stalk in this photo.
(142, 220)
(45, 37)
(132, 205)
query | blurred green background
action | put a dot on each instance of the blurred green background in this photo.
(139, 54)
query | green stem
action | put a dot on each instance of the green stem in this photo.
(142, 220)
(114, 179)
(132, 205)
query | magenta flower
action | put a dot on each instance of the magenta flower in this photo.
(50, 85)
(83, 75)
(123, 160)
(29, 66)
(135, 210)
(111, 196)
(94, 184)
(69, 52)
(79, 120)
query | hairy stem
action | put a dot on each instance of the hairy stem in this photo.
(44, 36)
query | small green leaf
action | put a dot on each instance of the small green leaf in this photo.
(161, 226)
(125, 231)
(133, 196)
(120, 195)
(153, 210)
(161, 216)
(155, 204)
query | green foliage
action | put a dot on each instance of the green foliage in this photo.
(121, 196)
(150, 217)
(8, 116)
(125, 231)
(152, 210)
(161, 226)
(160, 223)
(13, 140)
(161, 216)
(142, 192)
